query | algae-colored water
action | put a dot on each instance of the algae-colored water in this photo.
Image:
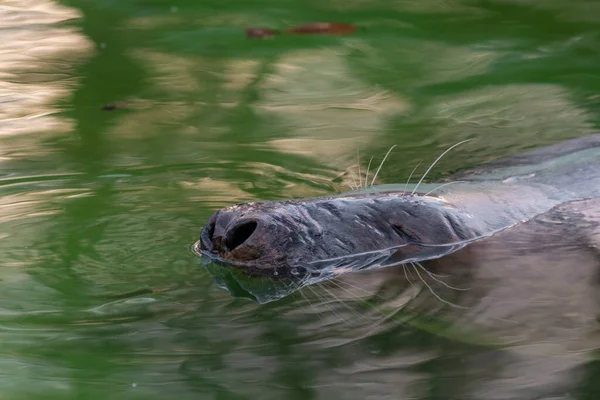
(101, 296)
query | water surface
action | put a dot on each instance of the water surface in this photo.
(100, 293)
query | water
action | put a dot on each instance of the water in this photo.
(101, 295)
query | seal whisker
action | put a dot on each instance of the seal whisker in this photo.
(333, 282)
(311, 304)
(358, 288)
(359, 172)
(326, 303)
(441, 186)
(367, 173)
(381, 165)
(319, 297)
(438, 275)
(356, 296)
(432, 291)
(386, 317)
(304, 279)
(299, 285)
(364, 253)
(407, 278)
(410, 176)
(466, 241)
(436, 161)
(353, 311)
(439, 280)
(353, 181)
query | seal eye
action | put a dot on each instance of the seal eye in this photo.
(239, 234)
(405, 234)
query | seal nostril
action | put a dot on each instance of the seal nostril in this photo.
(239, 234)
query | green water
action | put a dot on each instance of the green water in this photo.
(100, 294)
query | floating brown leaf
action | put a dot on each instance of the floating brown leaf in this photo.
(313, 28)
(324, 28)
(110, 107)
(261, 33)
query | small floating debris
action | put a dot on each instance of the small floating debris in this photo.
(261, 33)
(313, 28)
(327, 28)
(110, 107)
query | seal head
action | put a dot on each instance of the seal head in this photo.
(268, 237)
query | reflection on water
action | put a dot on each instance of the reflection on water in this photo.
(37, 59)
(100, 293)
(328, 112)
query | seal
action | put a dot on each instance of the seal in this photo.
(396, 224)
(517, 241)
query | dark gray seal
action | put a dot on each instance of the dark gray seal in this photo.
(391, 224)
(521, 234)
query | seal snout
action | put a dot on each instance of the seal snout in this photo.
(231, 237)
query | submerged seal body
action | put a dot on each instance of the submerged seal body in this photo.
(388, 224)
